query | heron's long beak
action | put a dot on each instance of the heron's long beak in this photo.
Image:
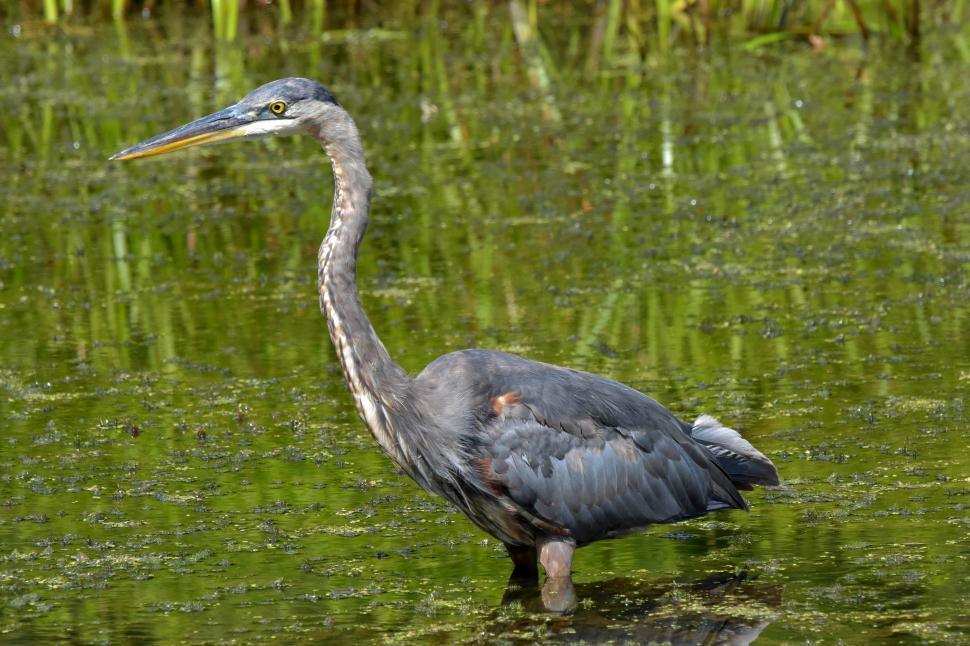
(224, 125)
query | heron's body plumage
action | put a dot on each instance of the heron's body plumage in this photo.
(568, 453)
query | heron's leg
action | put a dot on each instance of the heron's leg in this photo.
(556, 556)
(523, 559)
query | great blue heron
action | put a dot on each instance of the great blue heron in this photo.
(543, 458)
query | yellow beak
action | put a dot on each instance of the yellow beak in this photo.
(224, 125)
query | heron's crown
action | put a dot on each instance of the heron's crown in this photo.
(289, 90)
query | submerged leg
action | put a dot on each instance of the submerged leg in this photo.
(523, 559)
(556, 557)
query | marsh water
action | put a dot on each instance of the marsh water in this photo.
(779, 237)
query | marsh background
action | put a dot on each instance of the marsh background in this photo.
(752, 209)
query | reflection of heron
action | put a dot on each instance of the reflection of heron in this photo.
(728, 608)
(543, 458)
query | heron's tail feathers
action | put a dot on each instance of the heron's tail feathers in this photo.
(744, 464)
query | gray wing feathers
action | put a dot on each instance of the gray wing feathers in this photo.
(744, 463)
(606, 485)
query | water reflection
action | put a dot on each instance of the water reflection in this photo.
(727, 608)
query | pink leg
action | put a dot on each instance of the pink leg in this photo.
(556, 557)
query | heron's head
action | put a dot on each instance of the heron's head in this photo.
(284, 107)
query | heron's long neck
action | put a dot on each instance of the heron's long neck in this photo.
(378, 384)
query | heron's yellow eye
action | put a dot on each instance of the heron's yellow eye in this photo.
(277, 107)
